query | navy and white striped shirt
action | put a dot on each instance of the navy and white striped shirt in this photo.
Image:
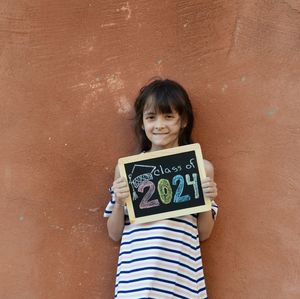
(160, 259)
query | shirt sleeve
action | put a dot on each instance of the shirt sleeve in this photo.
(214, 209)
(109, 208)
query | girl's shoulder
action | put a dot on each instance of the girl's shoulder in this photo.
(117, 171)
(209, 168)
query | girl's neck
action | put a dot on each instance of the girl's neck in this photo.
(158, 148)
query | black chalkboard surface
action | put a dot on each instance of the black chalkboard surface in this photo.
(165, 183)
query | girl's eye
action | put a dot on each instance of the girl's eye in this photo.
(169, 116)
(150, 117)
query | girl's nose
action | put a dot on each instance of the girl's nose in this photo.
(159, 124)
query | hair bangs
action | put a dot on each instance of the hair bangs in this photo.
(163, 100)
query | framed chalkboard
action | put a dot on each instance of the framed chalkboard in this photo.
(165, 183)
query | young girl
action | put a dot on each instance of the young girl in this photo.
(161, 259)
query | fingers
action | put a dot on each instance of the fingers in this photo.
(209, 188)
(119, 184)
(120, 189)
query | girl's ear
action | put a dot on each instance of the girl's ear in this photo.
(183, 124)
(143, 127)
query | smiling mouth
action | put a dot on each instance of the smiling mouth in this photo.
(160, 133)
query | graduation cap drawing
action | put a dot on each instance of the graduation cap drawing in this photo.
(139, 174)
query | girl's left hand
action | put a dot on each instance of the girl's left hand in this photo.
(209, 188)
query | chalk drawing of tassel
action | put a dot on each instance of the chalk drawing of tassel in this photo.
(134, 195)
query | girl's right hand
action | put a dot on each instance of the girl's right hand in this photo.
(121, 190)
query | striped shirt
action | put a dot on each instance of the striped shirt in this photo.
(160, 259)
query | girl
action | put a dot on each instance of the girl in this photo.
(161, 259)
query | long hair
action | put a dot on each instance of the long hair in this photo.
(167, 96)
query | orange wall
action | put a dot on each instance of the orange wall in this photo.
(69, 72)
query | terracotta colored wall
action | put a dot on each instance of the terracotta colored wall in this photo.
(69, 71)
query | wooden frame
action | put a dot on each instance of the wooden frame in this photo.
(195, 148)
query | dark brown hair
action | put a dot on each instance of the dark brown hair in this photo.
(167, 95)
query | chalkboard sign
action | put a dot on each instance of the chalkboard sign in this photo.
(165, 183)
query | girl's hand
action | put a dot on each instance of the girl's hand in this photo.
(209, 188)
(121, 190)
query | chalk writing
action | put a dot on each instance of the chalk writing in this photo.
(164, 183)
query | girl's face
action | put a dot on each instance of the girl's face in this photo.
(162, 129)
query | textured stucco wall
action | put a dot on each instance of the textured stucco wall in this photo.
(69, 71)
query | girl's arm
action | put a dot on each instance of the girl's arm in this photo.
(115, 222)
(205, 219)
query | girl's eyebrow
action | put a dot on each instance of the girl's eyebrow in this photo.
(149, 113)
